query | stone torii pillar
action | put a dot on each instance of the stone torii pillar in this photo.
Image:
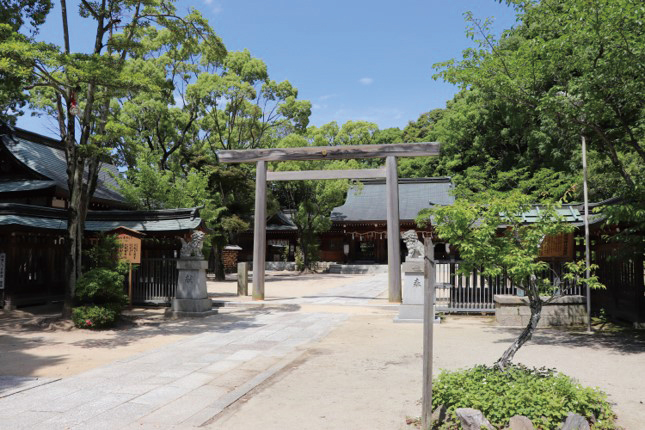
(390, 152)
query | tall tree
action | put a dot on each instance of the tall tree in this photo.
(211, 101)
(569, 67)
(15, 15)
(78, 89)
(490, 232)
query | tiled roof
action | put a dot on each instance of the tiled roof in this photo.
(100, 221)
(48, 160)
(25, 185)
(369, 203)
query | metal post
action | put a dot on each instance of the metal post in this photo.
(259, 231)
(586, 219)
(429, 270)
(393, 230)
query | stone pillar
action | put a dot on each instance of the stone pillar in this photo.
(242, 279)
(191, 298)
(411, 309)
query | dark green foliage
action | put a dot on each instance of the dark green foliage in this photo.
(95, 317)
(543, 395)
(16, 12)
(101, 286)
(104, 253)
(100, 290)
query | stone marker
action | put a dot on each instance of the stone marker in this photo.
(575, 422)
(472, 419)
(411, 309)
(242, 279)
(520, 422)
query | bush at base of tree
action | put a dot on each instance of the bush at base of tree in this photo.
(101, 286)
(96, 317)
(100, 291)
(99, 294)
(543, 395)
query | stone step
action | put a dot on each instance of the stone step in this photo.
(358, 268)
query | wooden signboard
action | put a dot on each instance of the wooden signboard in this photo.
(558, 246)
(129, 244)
(129, 250)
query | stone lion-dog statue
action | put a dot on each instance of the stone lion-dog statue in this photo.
(193, 248)
(415, 247)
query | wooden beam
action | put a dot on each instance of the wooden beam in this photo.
(260, 230)
(301, 175)
(393, 231)
(341, 152)
(428, 327)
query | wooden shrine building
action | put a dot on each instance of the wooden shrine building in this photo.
(33, 222)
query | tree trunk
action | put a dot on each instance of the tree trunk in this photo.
(75, 223)
(535, 304)
(218, 264)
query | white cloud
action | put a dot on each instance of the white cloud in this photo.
(366, 81)
(328, 96)
(214, 6)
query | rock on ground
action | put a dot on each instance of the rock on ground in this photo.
(520, 422)
(575, 422)
(439, 414)
(472, 419)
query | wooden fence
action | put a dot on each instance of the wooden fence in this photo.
(34, 268)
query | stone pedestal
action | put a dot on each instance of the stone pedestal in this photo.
(191, 298)
(513, 311)
(411, 310)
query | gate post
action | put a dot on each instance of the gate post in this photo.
(428, 326)
(259, 230)
(393, 230)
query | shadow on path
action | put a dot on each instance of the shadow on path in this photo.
(239, 319)
(626, 342)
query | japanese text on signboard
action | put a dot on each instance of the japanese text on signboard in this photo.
(129, 248)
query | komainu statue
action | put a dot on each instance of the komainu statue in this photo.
(415, 247)
(193, 248)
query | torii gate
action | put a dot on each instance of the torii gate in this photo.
(390, 152)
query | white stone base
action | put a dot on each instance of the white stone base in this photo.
(191, 308)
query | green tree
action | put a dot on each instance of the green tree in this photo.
(78, 89)
(14, 16)
(568, 67)
(490, 233)
(422, 130)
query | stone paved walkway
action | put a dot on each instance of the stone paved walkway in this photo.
(355, 294)
(181, 385)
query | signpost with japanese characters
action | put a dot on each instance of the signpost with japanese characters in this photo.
(129, 250)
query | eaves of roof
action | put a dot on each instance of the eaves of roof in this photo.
(100, 221)
(46, 158)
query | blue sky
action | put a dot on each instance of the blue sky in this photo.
(354, 60)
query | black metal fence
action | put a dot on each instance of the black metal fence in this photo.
(154, 281)
(474, 292)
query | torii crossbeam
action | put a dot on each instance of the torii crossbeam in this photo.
(390, 152)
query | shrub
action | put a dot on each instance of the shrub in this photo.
(95, 317)
(542, 395)
(101, 286)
